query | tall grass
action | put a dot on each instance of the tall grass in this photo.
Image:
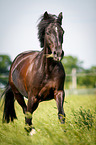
(79, 127)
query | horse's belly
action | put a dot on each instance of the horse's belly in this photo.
(19, 83)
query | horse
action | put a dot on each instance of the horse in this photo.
(38, 75)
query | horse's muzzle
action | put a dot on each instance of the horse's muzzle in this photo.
(57, 56)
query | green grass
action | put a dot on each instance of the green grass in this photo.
(79, 128)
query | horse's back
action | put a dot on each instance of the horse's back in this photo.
(28, 55)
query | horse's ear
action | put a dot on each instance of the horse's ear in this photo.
(46, 15)
(59, 19)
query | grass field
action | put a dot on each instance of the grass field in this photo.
(79, 128)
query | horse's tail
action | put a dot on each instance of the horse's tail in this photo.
(9, 110)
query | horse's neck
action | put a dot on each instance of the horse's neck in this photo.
(46, 60)
(46, 50)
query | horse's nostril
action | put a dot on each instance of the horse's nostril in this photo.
(58, 54)
(54, 52)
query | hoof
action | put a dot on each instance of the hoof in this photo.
(28, 128)
(61, 118)
(33, 131)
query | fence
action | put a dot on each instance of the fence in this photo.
(80, 91)
(73, 89)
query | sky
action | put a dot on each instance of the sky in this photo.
(19, 19)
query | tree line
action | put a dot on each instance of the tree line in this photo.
(86, 77)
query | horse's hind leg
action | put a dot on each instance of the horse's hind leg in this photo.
(20, 99)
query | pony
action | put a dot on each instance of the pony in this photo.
(38, 75)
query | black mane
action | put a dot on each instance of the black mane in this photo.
(43, 24)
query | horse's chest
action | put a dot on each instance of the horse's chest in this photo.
(41, 85)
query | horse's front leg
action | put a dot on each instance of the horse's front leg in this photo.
(59, 97)
(31, 107)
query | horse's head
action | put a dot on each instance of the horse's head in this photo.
(54, 38)
(52, 35)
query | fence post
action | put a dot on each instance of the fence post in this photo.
(74, 79)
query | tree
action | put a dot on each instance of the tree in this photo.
(5, 63)
(70, 62)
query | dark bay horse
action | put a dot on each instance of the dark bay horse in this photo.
(39, 76)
